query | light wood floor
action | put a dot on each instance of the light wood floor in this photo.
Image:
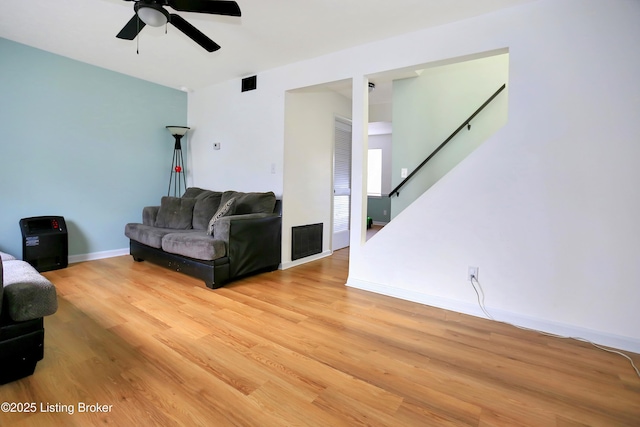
(298, 348)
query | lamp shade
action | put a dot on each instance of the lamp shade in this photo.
(178, 130)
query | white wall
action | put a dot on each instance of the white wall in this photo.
(428, 108)
(308, 159)
(547, 208)
(381, 112)
(248, 126)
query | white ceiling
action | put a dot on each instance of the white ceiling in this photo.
(269, 34)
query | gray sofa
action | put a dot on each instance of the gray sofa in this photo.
(26, 298)
(212, 235)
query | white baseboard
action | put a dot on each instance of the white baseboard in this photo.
(98, 255)
(564, 330)
(305, 260)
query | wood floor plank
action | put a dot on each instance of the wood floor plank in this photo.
(292, 410)
(298, 348)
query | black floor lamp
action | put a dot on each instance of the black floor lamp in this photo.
(178, 171)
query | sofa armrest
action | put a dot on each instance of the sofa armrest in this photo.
(222, 227)
(149, 214)
(1, 285)
(28, 295)
(253, 241)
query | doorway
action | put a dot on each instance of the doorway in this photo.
(341, 184)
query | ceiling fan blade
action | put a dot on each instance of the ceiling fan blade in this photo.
(215, 7)
(193, 33)
(131, 29)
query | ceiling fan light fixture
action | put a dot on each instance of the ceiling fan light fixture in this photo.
(152, 14)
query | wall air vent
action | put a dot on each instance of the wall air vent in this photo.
(249, 83)
(306, 240)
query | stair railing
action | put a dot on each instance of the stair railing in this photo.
(466, 123)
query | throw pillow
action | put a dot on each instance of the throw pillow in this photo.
(175, 212)
(226, 209)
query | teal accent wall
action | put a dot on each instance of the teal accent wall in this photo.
(81, 142)
(379, 208)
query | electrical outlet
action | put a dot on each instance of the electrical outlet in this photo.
(404, 173)
(472, 273)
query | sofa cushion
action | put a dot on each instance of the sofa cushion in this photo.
(149, 214)
(6, 257)
(226, 209)
(175, 212)
(146, 234)
(247, 203)
(3, 257)
(27, 294)
(194, 244)
(193, 192)
(207, 203)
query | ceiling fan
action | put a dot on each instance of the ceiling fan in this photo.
(152, 12)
